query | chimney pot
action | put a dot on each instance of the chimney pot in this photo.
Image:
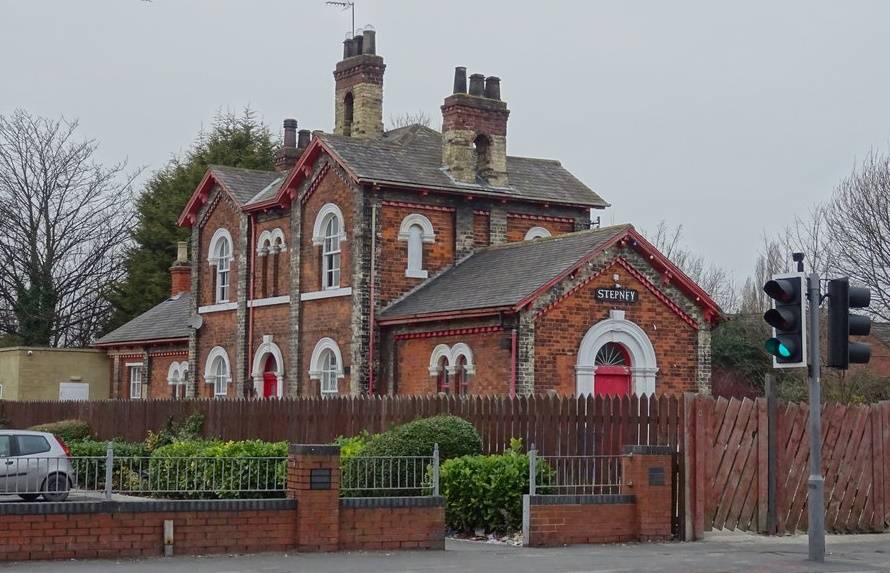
(303, 139)
(369, 41)
(182, 252)
(348, 48)
(181, 271)
(493, 87)
(460, 80)
(357, 42)
(290, 133)
(477, 84)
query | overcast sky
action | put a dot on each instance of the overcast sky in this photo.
(700, 113)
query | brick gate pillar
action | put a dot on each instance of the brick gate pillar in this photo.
(647, 474)
(313, 479)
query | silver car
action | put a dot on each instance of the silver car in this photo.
(34, 464)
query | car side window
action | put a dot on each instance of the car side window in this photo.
(30, 445)
(5, 444)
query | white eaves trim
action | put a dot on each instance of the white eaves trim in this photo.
(217, 307)
(272, 300)
(330, 293)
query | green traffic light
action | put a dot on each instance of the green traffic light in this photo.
(775, 347)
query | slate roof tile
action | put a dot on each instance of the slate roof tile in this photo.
(170, 319)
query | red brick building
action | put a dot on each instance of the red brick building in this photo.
(414, 261)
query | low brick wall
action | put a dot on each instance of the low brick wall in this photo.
(392, 523)
(83, 530)
(569, 519)
(641, 513)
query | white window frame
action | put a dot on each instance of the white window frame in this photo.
(135, 368)
(320, 367)
(537, 233)
(222, 264)
(416, 229)
(331, 253)
(211, 375)
(177, 372)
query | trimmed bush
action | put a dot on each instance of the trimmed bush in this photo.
(485, 492)
(89, 462)
(217, 470)
(68, 430)
(353, 446)
(455, 436)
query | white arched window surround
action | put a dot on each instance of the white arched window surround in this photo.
(634, 339)
(451, 354)
(177, 373)
(416, 229)
(318, 229)
(320, 355)
(328, 232)
(537, 233)
(220, 256)
(271, 241)
(217, 370)
(263, 351)
(220, 234)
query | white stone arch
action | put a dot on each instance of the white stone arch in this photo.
(264, 242)
(617, 329)
(175, 373)
(276, 239)
(458, 350)
(429, 235)
(263, 351)
(438, 352)
(220, 235)
(327, 211)
(536, 233)
(315, 366)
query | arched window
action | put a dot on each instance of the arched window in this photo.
(463, 378)
(537, 233)
(442, 382)
(416, 229)
(482, 147)
(326, 366)
(220, 257)
(217, 372)
(348, 106)
(330, 255)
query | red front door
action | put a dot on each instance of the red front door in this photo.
(270, 385)
(612, 381)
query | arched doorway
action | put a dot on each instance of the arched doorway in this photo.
(270, 378)
(615, 357)
(612, 364)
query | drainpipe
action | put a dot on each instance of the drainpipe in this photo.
(250, 276)
(513, 353)
(373, 301)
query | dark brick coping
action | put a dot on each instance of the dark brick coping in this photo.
(371, 502)
(650, 450)
(314, 449)
(580, 499)
(153, 506)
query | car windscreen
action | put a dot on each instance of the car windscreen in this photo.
(5, 444)
(30, 445)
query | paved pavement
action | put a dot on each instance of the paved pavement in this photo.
(724, 553)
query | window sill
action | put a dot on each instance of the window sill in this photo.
(218, 307)
(330, 293)
(269, 301)
(417, 274)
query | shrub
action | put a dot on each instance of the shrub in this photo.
(214, 469)
(485, 492)
(455, 436)
(89, 462)
(352, 446)
(68, 430)
(188, 429)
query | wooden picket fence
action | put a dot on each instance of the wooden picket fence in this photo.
(735, 483)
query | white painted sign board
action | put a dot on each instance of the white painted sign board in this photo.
(74, 391)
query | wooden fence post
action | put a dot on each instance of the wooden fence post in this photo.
(772, 472)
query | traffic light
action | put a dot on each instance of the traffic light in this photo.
(841, 324)
(788, 317)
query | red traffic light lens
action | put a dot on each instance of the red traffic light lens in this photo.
(781, 290)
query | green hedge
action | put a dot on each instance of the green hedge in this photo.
(485, 492)
(218, 469)
(68, 430)
(89, 463)
(455, 436)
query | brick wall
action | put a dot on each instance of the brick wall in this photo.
(159, 367)
(324, 318)
(518, 225)
(491, 355)
(271, 272)
(218, 329)
(271, 321)
(559, 330)
(222, 213)
(480, 229)
(393, 257)
(391, 523)
(116, 530)
(331, 189)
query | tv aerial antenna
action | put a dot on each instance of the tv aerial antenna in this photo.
(346, 5)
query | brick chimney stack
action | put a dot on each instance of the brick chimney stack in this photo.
(290, 151)
(181, 271)
(358, 92)
(474, 130)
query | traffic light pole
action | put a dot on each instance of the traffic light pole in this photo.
(815, 485)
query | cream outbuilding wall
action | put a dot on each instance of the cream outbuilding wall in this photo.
(36, 373)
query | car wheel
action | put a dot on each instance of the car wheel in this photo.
(29, 496)
(55, 488)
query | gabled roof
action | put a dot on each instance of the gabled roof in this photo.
(168, 321)
(413, 156)
(245, 186)
(507, 277)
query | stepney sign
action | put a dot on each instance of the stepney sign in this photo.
(617, 294)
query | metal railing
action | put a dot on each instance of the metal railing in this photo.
(372, 476)
(574, 475)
